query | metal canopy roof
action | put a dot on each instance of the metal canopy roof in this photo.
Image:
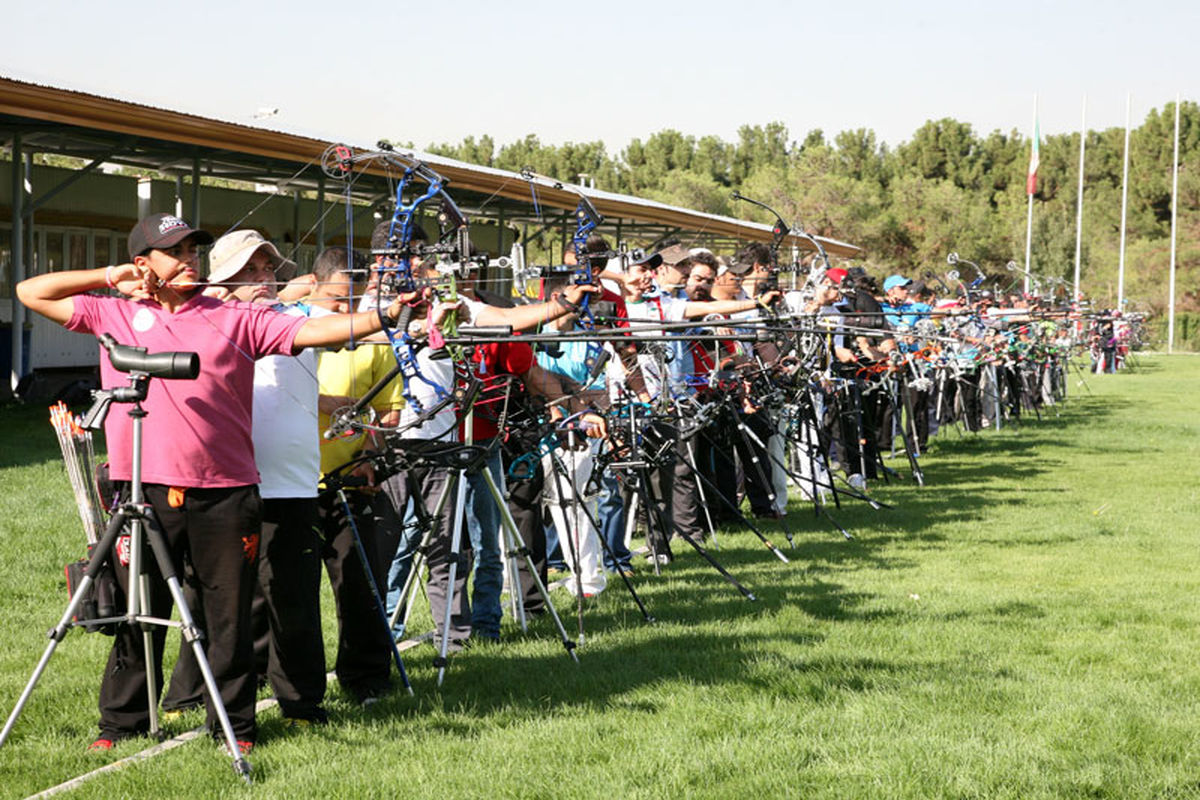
(131, 134)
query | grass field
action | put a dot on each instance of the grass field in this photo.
(1026, 625)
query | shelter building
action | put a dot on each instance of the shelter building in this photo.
(82, 168)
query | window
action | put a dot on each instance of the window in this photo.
(76, 253)
(5, 263)
(102, 241)
(50, 259)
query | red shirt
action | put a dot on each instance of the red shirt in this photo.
(490, 360)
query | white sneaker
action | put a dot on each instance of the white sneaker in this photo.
(857, 481)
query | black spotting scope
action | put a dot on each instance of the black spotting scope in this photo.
(125, 358)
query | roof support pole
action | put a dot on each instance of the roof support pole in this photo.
(295, 223)
(195, 215)
(66, 183)
(18, 260)
(321, 212)
(498, 275)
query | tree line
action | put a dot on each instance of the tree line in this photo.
(948, 188)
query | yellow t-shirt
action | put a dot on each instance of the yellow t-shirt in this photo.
(351, 373)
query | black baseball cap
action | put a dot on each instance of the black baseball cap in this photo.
(158, 231)
(651, 260)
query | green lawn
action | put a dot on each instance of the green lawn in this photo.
(1023, 626)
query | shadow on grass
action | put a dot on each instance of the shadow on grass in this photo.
(963, 484)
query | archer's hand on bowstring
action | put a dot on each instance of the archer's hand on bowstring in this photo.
(575, 293)
(366, 471)
(595, 426)
(418, 300)
(140, 283)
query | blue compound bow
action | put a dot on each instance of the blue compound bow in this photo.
(396, 272)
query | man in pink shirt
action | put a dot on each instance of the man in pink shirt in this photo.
(198, 463)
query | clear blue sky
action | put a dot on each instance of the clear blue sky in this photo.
(440, 71)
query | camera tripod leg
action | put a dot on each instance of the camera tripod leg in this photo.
(690, 460)
(427, 523)
(193, 636)
(511, 549)
(651, 502)
(139, 604)
(455, 549)
(56, 634)
(749, 439)
(641, 491)
(703, 479)
(569, 537)
(595, 523)
(369, 577)
(509, 525)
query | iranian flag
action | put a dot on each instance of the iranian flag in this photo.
(1031, 179)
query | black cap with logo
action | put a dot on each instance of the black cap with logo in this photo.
(159, 231)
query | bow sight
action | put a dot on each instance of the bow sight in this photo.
(780, 231)
(953, 258)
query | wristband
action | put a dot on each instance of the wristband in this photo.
(567, 304)
(108, 277)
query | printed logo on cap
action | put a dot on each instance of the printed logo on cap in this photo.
(169, 223)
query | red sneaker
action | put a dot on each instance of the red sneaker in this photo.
(244, 748)
(101, 745)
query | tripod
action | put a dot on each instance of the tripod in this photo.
(137, 518)
(421, 453)
(638, 467)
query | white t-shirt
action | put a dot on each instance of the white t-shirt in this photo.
(284, 427)
(658, 309)
(441, 426)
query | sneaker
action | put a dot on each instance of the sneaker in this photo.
(857, 481)
(173, 715)
(244, 747)
(316, 717)
(369, 692)
(101, 745)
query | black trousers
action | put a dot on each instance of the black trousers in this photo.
(857, 429)
(431, 483)
(968, 393)
(218, 530)
(913, 407)
(685, 496)
(285, 614)
(364, 649)
(756, 479)
(715, 458)
(658, 485)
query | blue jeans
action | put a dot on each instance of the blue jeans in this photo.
(554, 556)
(483, 526)
(610, 514)
(406, 546)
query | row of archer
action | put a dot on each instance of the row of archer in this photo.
(455, 359)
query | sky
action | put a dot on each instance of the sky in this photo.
(617, 70)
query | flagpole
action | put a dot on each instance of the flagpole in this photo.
(1124, 209)
(1079, 202)
(1174, 219)
(1030, 187)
